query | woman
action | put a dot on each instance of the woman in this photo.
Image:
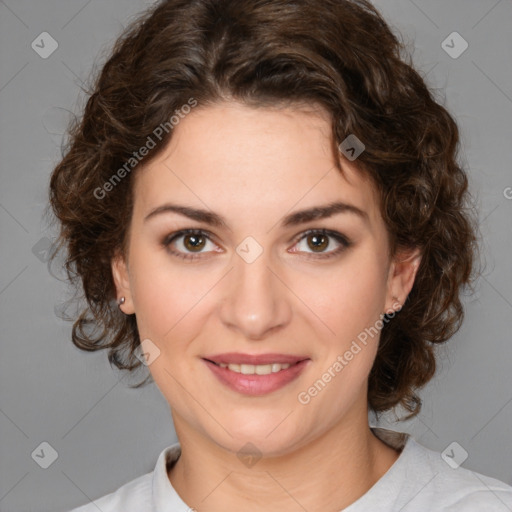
(263, 205)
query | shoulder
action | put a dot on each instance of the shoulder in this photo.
(422, 479)
(142, 493)
(131, 497)
(451, 487)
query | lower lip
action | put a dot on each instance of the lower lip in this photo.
(256, 384)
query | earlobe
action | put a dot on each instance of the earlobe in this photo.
(122, 284)
(402, 274)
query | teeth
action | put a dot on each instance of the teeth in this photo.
(258, 369)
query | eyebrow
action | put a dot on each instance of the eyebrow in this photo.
(293, 219)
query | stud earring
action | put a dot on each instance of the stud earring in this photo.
(120, 302)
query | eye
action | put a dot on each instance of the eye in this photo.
(189, 242)
(318, 241)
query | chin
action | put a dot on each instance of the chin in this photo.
(263, 435)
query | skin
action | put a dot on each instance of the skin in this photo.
(253, 166)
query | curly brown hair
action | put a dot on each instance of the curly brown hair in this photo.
(339, 54)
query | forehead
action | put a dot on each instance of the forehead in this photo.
(238, 159)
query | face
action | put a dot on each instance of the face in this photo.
(235, 258)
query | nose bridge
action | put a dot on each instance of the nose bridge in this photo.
(255, 301)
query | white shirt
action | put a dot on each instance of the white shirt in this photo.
(419, 481)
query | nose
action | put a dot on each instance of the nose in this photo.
(256, 302)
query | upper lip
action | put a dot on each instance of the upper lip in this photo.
(238, 358)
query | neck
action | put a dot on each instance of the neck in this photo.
(326, 474)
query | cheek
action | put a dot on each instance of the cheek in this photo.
(165, 295)
(349, 297)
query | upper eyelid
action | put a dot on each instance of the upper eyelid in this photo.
(190, 231)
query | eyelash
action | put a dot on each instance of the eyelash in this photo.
(342, 240)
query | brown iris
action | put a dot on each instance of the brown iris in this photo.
(194, 242)
(318, 243)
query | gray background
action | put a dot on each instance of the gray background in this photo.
(105, 434)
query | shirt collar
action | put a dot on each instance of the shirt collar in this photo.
(165, 497)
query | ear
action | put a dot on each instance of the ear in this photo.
(402, 273)
(122, 283)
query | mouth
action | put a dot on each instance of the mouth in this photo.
(256, 375)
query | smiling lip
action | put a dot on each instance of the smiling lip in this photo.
(254, 384)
